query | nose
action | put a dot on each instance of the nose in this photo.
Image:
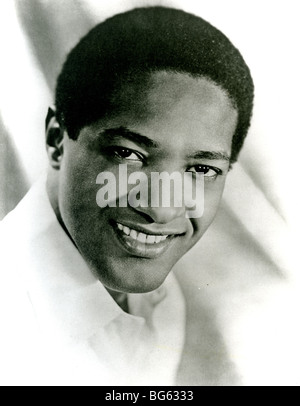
(164, 201)
(162, 215)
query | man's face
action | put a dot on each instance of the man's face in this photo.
(133, 249)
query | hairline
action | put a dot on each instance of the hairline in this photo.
(146, 74)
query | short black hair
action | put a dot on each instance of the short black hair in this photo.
(135, 44)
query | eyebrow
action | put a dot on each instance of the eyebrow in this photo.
(123, 132)
(210, 155)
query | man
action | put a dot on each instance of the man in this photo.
(90, 288)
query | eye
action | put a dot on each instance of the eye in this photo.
(206, 170)
(126, 154)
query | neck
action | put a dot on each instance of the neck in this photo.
(120, 298)
(52, 187)
(52, 190)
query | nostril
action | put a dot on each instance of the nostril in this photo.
(146, 216)
(160, 215)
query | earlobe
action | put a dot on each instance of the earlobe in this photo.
(54, 139)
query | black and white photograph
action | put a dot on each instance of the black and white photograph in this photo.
(149, 195)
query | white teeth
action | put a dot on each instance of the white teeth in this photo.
(150, 239)
(126, 230)
(133, 234)
(142, 237)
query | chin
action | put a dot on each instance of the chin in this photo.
(139, 281)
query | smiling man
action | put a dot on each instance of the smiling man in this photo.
(155, 90)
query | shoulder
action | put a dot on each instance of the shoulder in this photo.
(16, 313)
(12, 241)
(12, 261)
(19, 337)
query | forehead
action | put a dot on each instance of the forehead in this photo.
(169, 105)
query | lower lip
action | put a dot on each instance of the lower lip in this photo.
(139, 249)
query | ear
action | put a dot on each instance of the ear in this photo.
(54, 139)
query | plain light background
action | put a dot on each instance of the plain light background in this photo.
(257, 228)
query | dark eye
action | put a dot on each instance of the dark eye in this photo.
(208, 171)
(127, 154)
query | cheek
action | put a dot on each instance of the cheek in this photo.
(77, 190)
(212, 198)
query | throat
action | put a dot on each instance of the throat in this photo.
(120, 298)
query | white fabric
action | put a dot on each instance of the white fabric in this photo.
(59, 325)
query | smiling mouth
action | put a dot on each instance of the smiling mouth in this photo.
(142, 237)
(142, 244)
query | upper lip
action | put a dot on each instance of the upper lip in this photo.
(153, 229)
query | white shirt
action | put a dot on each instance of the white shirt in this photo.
(60, 326)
